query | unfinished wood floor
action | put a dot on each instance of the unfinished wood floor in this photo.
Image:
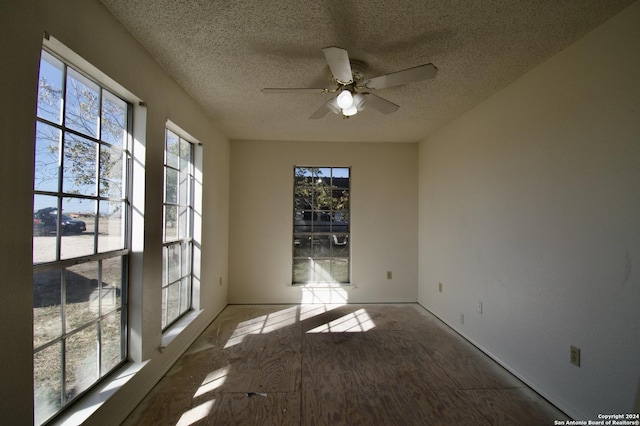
(337, 365)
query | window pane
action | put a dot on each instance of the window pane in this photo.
(44, 228)
(320, 246)
(302, 271)
(77, 217)
(112, 171)
(165, 265)
(81, 303)
(185, 156)
(322, 197)
(183, 222)
(173, 262)
(114, 120)
(184, 188)
(340, 199)
(47, 306)
(111, 287)
(322, 271)
(172, 150)
(47, 380)
(170, 225)
(173, 301)
(338, 225)
(50, 88)
(304, 172)
(81, 109)
(111, 226)
(339, 245)
(111, 333)
(46, 162)
(185, 296)
(323, 175)
(340, 270)
(185, 259)
(301, 245)
(171, 186)
(340, 172)
(81, 358)
(302, 221)
(79, 165)
(165, 292)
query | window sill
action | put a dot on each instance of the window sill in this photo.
(345, 286)
(327, 293)
(90, 403)
(176, 329)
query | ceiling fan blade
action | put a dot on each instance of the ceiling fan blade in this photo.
(321, 112)
(330, 105)
(271, 90)
(381, 104)
(338, 60)
(410, 75)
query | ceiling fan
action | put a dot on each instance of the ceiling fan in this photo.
(353, 89)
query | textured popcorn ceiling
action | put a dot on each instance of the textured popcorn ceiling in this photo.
(223, 52)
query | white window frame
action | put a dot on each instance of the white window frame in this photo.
(73, 61)
(321, 242)
(184, 280)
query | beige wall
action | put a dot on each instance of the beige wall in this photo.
(383, 211)
(530, 203)
(89, 30)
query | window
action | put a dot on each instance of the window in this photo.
(178, 228)
(321, 232)
(80, 234)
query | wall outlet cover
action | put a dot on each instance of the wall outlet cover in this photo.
(574, 355)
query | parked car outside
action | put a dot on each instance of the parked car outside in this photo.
(44, 223)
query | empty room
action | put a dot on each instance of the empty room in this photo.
(310, 213)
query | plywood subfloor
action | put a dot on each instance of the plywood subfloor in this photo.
(337, 365)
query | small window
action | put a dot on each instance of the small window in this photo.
(80, 234)
(321, 225)
(177, 252)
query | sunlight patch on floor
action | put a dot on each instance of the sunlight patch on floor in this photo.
(196, 414)
(355, 322)
(263, 324)
(213, 381)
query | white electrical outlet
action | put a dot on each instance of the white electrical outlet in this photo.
(574, 355)
(462, 319)
(480, 307)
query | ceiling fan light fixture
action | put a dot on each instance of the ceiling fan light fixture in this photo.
(345, 99)
(332, 105)
(359, 101)
(352, 110)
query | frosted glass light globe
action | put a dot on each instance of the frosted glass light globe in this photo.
(345, 99)
(352, 110)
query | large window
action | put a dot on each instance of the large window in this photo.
(80, 234)
(178, 228)
(321, 232)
